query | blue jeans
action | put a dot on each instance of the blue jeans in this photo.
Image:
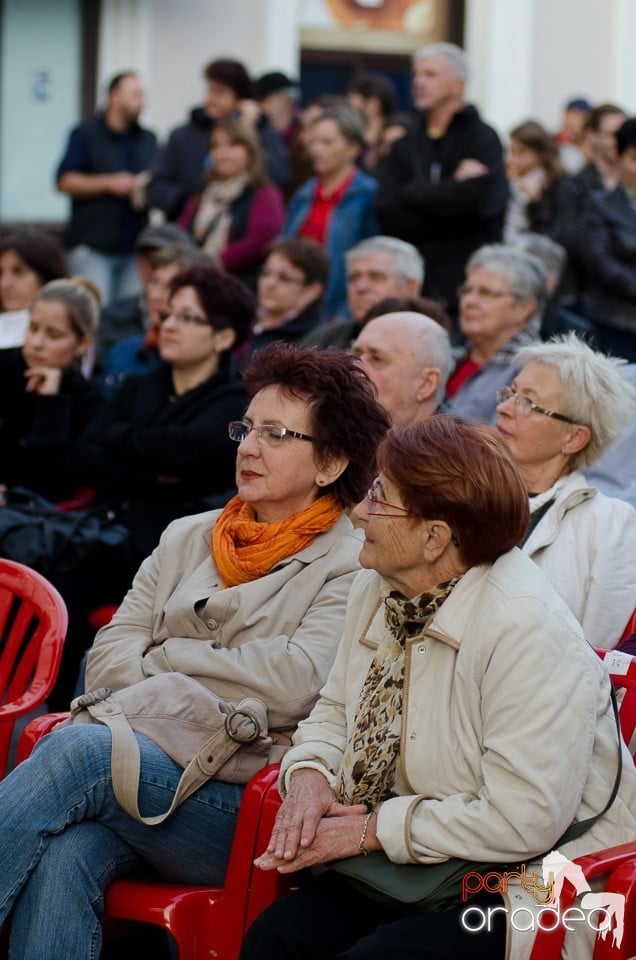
(64, 837)
(115, 275)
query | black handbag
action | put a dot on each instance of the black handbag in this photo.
(33, 531)
(434, 887)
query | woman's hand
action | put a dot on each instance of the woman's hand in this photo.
(45, 381)
(335, 837)
(310, 798)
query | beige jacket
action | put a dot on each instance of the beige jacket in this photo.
(274, 638)
(507, 730)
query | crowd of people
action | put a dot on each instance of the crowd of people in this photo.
(424, 345)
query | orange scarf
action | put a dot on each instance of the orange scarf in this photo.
(244, 549)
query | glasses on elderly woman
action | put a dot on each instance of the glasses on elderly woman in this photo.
(268, 433)
(526, 406)
(373, 502)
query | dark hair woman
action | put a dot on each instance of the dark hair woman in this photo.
(461, 686)
(250, 601)
(534, 174)
(28, 259)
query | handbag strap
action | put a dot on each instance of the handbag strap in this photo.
(241, 726)
(576, 830)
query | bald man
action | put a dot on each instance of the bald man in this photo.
(408, 358)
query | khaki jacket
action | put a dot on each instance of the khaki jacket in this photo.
(508, 733)
(274, 638)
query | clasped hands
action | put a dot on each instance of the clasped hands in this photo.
(312, 827)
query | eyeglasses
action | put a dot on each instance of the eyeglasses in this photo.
(268, 433)
(525, 405)
(184, 318)
(484, 293)
(282, 277)
(372, 501)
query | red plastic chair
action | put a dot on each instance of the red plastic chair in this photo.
(618, 862)
(205, 921)
(33, 623)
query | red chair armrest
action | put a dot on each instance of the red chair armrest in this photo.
(34, 731)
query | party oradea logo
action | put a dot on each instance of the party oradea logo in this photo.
(603, 912)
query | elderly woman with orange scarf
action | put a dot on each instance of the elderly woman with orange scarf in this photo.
(250, 601)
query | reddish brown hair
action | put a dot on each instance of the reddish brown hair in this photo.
(460, 473)
(346, 419)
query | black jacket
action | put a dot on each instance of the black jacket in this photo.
(105, 222)
(419, 201)
(160, 454)
(38, 433)
(609, 255)
(178, 167)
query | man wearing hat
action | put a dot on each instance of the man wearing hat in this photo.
(179, 166)
(278, 98)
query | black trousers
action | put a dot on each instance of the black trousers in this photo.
(328, 919)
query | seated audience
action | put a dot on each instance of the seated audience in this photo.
(335, 207)
(500, 307)
(563, 409)
(138, 352)
(160, 446)
(534, 173)
(609, 252)
(179, 167)
(45, 402)
(239, 213)
(376, 268)
(28, 259)
(129, 316)
(289, 293)
(408, 357)
(250, 601)
(418, 747)
(278, 97)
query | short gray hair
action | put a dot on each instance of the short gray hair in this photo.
(348, 119)
(407, 262)
(551, 254)
(453, 55)
(525, 273)
(595, 392)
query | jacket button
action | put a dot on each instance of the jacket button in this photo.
(211, 624)
(422, 648)
(412, 737)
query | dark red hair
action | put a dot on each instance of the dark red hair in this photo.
(463, 474)
(346, 419)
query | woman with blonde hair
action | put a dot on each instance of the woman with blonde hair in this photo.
(239, 212)
(45, 401)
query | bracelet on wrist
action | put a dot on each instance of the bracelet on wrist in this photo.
(363, 835)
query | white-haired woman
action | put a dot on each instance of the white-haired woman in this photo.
(565, 407)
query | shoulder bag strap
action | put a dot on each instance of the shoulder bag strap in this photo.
(241, 727)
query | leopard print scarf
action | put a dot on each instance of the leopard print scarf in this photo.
(368, 769)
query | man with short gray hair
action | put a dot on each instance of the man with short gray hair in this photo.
(377, 267)
(443, 187)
